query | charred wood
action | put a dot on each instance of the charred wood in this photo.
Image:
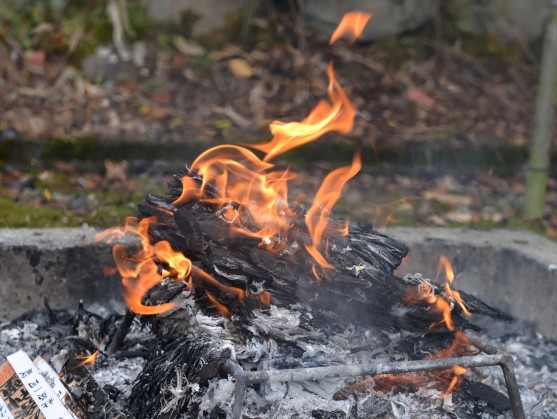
(361, 288)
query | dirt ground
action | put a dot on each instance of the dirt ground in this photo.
(433, 94)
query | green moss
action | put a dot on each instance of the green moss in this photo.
(13, 214)
(535, 226)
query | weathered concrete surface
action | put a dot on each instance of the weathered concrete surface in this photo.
(506, 20)
(211, 14)
(516, 270)
(62, 265)
(389, 17)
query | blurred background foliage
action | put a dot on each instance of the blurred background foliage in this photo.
(445, 97)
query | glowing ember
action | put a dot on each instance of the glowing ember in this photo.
(87, 359)
(352, 25)
(445, 381)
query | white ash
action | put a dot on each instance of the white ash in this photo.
(535, 364)
(120, 374)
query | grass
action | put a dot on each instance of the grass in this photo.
(17, 215)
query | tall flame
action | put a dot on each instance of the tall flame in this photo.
(249, 194)
(338, 115)
(352, 25)
(317, 217)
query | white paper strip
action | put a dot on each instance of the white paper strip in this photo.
(54, 381)
(41, 392)
(4, 411)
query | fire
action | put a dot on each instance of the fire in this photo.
(352, 24)
(458, 372)
(250, 195)
(445, 264)
(338, 115)
(87, 359)
(444, 303)
(317, 217)
(233, 174)
(139, 271)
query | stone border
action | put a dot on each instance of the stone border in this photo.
(516, 270)
(63, 265)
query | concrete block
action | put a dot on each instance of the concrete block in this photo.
(62, 265)
(515, 270)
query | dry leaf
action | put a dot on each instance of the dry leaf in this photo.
(419, 97)
(187, 47)
(115, 171)
(462, 216)
(240, 68)
(447, 198)
(158, 112)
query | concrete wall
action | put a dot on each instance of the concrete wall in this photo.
(516, 270)
(62, 265)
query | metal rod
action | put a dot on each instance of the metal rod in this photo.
(375, 368)
(493, 356)
(507, 365)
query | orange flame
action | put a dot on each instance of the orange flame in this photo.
(249, 195)
(139, 271)
(352, 24)
(453, 294)
(338, 115)
(444, 380)
(317, 217)
(458, 372)
(444, 303)
(87, 359)
(236, 175)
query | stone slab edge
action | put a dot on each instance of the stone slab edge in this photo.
(511, 267)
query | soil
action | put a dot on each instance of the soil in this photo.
(430, 97)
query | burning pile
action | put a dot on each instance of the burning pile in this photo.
(231, 271)
(286, 281)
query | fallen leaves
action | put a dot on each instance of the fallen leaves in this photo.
(115, 171)
(420, 97)
(447, 198)
(239, 67)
